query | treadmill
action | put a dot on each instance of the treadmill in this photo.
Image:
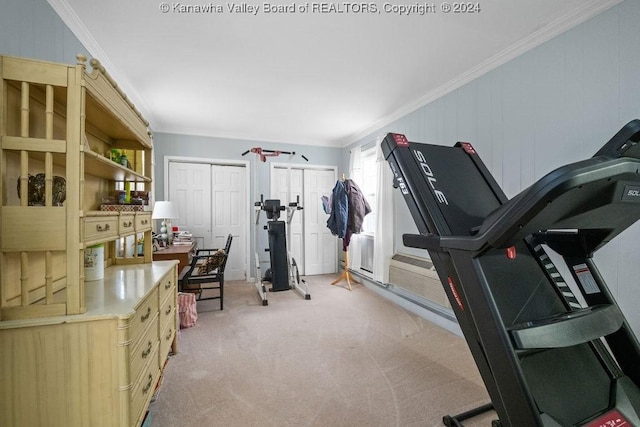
(550, 353)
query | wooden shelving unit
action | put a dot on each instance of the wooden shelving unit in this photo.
(57, 122)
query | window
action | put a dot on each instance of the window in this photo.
(364, 173)
(368, 184)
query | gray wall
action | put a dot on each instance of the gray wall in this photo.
(231, 150)
(553, 105)
(32, 29)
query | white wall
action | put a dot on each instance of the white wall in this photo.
(553, 105)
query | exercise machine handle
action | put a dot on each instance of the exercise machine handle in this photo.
(624, 143)
(296, 204)
(421, 241)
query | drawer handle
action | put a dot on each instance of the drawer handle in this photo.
(168, 310)
(147, 352)
(168, 337)
(168, 284)
(144, 222)
(100, 228)
(146, 388)
(144, 317)
(127, 224)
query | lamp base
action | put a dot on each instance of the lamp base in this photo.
(163, 232)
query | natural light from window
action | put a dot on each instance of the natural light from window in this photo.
(368, 186)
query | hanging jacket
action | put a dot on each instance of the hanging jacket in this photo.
(337, 221)
(358, 206)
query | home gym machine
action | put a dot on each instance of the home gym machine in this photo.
(283, 273)
(550, 352)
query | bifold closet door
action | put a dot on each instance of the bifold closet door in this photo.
(212, 203)
(190, 190)
(229, 215)
(312, 245)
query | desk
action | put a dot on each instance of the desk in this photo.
(182, 253)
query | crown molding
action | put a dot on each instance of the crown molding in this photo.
(586, 11)
(82, 33)
(247, 137)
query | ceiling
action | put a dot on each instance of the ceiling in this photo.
(324, 77)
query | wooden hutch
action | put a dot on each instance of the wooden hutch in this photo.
(76, 352)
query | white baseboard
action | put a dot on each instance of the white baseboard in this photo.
(441, 317)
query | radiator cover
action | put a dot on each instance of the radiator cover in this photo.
(417, 276)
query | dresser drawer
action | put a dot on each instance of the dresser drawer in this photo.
(143, 221)
(144, 389)
(126, 225)
(145, 314)
(143, 349)
(166, 339)
(167, 285)
(167, 312)
(100, 228)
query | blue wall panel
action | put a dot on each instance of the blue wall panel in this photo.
(600, 70)
(629, 60)
(467, 113)
(32, 29)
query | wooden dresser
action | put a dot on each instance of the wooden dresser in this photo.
(96, 368)
(75, 352)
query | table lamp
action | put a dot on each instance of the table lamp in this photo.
(165, 211)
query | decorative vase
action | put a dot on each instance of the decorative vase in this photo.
(35, 192)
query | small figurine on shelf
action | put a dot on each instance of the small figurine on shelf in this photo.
(115, 155)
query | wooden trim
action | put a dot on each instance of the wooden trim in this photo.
(73, 203)
(37, 72)
(33, 228)
(107, 95)
(33, 144)
(36, 310)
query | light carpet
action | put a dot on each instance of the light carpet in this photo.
(343, 358)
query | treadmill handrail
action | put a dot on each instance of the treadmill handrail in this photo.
(512, 221)
(624, 142)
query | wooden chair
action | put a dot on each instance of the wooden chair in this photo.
(206, 271)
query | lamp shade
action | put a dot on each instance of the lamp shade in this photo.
(164, 210)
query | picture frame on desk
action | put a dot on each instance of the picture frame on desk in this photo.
(182, 253)
(158, 243)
